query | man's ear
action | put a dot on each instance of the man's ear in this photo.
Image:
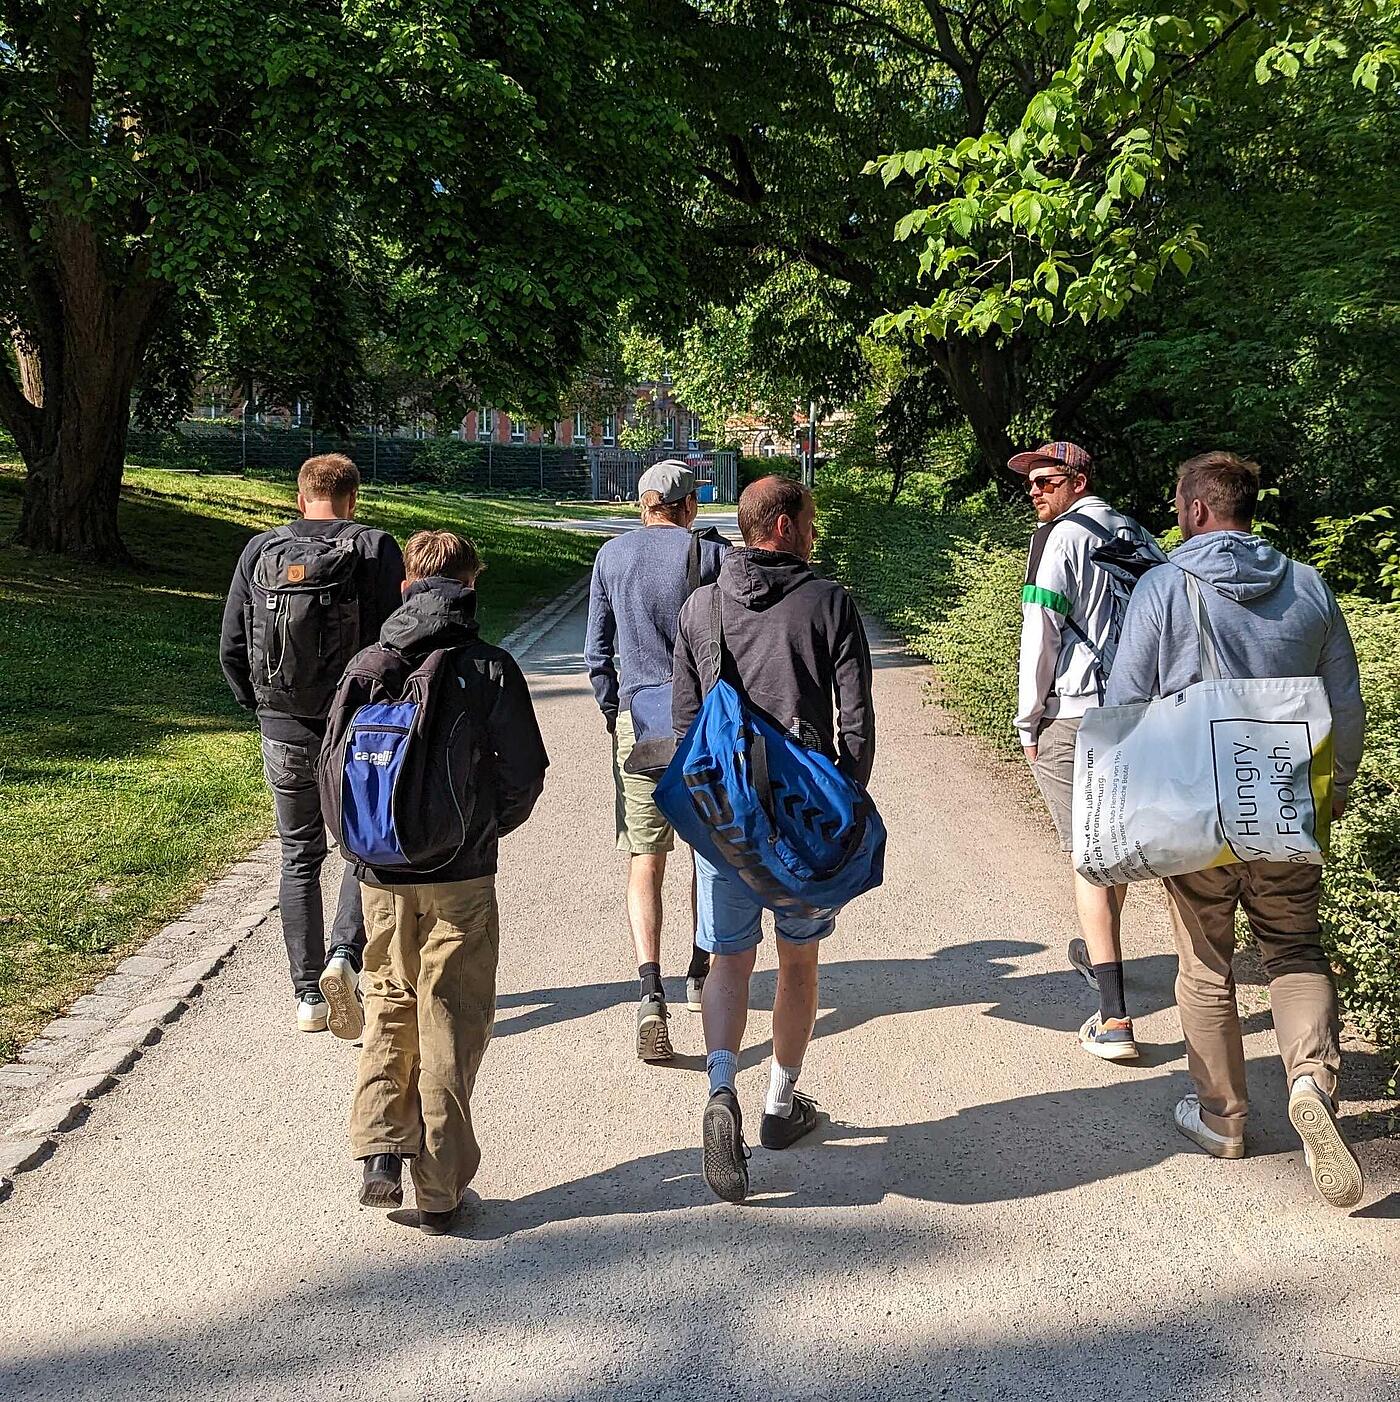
(403, 587)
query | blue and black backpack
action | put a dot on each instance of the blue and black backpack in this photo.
(747, 795)
(398, 763)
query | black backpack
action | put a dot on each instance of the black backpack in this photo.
(1124, 558)
(303, 622)
(398, 766)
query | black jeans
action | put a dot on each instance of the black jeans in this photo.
(290, 770)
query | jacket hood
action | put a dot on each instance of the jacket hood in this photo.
(436, 612)
(1234, 564)
(758, 579)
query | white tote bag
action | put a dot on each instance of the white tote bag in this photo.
(1228, 770)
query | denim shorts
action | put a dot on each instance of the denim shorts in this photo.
(729, 918)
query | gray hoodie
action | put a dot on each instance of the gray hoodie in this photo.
(1272, 617)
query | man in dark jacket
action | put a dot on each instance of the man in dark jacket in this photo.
(430, 960)
(795, 650)
(290, 702)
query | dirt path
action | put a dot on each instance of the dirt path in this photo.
(990, 1214)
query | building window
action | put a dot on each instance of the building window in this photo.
(580, 427)
(669, 439)
(517, 430)
(693, 437)
(610, 430)
(485, 424)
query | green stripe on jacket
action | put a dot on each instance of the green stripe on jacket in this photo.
(1047, 598)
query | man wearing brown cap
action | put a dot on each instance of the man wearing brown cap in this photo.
(640, 581)
(1071, 614)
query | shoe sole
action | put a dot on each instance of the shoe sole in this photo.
(1085, 971)
(653, 1040)
(1215, 1150)
(311, 1026)
(345, 1018)
(381, 1195)
(1112, 1051)
(726, 1175)
(694, 1007)
(1335, 1172)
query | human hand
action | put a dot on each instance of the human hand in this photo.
(1031, 752)
(1339, 806)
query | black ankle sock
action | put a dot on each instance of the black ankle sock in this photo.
(699, 962)
(1110, 977)
(650, 976)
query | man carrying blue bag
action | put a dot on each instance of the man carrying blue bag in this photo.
(1228, 602)
(772, 696)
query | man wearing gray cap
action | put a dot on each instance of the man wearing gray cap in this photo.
(640, 581)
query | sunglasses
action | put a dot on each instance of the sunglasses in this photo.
(1043, 484)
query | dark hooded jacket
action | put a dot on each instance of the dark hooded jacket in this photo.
(794, 649)
(509, 777)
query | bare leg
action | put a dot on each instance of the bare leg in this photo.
(795, 1006)
(726, 1005)
(645, 873)
(1100, 911)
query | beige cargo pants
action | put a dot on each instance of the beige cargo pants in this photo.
(1280, 899)
(429, 986)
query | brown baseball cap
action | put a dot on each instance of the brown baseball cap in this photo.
(1069, 455)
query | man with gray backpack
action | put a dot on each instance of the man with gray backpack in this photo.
(304, 599)
(640, 580)
(1085, 559)
(432, 755)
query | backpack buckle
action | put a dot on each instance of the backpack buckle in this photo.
(325, 599)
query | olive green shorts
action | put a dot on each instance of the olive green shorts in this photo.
(641, 830)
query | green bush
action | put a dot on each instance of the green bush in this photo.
(949, 583)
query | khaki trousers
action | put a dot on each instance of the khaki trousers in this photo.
(429, 987)
(1280, 899)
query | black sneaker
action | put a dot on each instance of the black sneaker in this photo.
(653, 1038)
(436, 1223)
(724, 1155)
(382, 1185)
(1080, 962)
(780, 1131)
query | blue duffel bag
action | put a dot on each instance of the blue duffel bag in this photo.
(746, 795)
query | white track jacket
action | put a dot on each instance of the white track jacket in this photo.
(1059, 674)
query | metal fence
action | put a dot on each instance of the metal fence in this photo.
(259, 450)
(614, 472)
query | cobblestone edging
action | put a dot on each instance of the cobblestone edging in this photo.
(47, 1090)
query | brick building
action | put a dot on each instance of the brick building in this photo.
(680, 425)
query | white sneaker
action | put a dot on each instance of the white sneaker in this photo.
(1188, 1121)
(1335, 1172)
(694, 991)
(340, 986)
(311, 1013)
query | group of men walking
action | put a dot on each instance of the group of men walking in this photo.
(322, 611)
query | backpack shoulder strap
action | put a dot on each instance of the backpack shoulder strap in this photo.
(692, 565)
(1089, 524)
(715, 656)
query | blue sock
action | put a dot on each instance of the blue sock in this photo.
(723, 1066)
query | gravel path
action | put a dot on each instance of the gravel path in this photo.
(989, 1214)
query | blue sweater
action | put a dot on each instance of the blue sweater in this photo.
(639, 585)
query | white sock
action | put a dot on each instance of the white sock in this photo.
(723, 1066)
(781, 1080)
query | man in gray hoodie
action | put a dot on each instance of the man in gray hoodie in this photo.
(1271, 617)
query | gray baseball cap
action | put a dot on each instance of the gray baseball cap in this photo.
(671, 477)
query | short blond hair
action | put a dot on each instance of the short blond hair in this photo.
(330, 477)
(441, 553)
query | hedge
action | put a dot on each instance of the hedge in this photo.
(950, 585)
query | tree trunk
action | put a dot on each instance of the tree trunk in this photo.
(71, 490)
(74, 442)
(981, 379)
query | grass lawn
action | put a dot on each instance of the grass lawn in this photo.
(129, 776)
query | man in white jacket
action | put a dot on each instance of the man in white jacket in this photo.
(1072, 611)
